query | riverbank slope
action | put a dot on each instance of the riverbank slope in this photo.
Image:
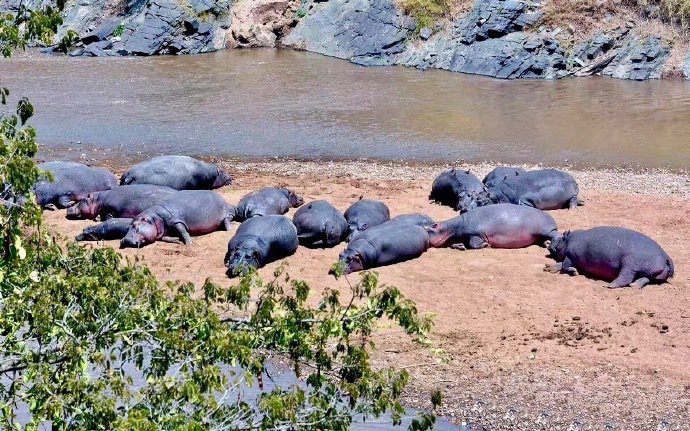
(523, 349)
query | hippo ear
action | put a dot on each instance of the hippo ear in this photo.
(566, 234)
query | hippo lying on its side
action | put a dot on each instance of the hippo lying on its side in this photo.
(385, 244)
(260, 240)
(365, 213)
(458, 189)
(267, 201)
(546, 189)
(621, 256)
(320, 223)
(501, 173)
(113, 228)
(185, 213)
(121, 201)
(70, 179)
(497, 226)
(418, 219)
(177, 172)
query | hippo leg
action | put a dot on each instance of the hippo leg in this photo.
(184, 234)
(171, 239)
(477, 242)
(227, 223)
(50, 207)
(459, 246)
(640, 282)
(65, 202)
(573, 203)
(553, 268)
(625, 278)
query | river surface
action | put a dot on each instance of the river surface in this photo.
(268, 103)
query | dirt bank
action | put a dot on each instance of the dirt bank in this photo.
(525, 349)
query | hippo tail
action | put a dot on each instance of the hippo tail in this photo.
(126, 180)
(670, 270)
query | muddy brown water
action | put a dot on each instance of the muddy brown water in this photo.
(267, 103)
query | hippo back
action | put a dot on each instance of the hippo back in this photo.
(454, 185)
(415, 219)
(390, 243)
(262, 202)
(201, 211)
(365, 214)
(319, 221)
(546, 189)
(130, 201)
(276, 232)
(501, 173)
(71, 179)
(176, 172)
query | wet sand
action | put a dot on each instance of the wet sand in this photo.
(523, 348)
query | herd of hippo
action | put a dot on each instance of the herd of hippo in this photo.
(169, 198)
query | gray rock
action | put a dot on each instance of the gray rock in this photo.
(686, 67)
(639, 59)
(425, 33)
(102, 32)
(366, 32)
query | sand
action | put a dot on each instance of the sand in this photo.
(522, 348)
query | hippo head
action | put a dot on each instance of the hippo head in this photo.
(439, 234)
(222, 179)
(242, 259)
(295, 200)
(145, 229)
(352, 260)
(85, 208)
(88, 234)
(558, 246)
(127, 179)
(354, 229)
(470, 200)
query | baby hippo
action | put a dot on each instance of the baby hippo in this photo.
(497, 226)
(121, 201)
(177, 172)
(458, 189)
(364, 214)
(113, 228)
(501, 173)
(385, 244)
(185, 213)
(620, 256)
(546, 189)
(267, 201)
(320, 224)
(260, 240)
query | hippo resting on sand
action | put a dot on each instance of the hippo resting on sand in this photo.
(121, 201)
(70, 179)
(458, 189)
(546, 189)
(496, 226)
(618, 255)
(364, 214)
(320, 224)
(267, 201)
(177, 172)
(418, 219)
(260, 240)
(385, 244)
(501, 173)
(185, 213)
(113, 228)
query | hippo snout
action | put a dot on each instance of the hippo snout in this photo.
(73, 213)
(239, 263)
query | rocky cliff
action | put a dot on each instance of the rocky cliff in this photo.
(498, 38)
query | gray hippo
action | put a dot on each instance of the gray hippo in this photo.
(546, 189)
(496, 226)
(113, 228)
(185, 213)
(258, 241)
(501, 173)
(121, 201)
(177, 172)
(267, 201)
(365, 213)
(384, 244)
(620, 256)
(418, 219)
(70, 179)
(320, 224)
(458, 189)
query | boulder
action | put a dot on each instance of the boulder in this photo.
(639, 59)
(259, 23)
(686, 67)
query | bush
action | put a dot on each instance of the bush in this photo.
(426, 12)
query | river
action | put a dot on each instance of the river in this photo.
(276, 103)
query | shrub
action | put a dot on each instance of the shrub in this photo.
(426, 12)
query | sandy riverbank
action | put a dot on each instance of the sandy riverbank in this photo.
(526, 349)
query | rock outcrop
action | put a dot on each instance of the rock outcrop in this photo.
(260, 23)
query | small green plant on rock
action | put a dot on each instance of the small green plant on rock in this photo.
(426, 12)
(119, 30)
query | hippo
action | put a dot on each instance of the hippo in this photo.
(121, 201)
(113, 228)
(620, 256)
(70, 179)
(182, 214)
(384, 244)
(501, 173)
(177, 172)
(320, 224)
(258, 241)
(267, 201)
(496, 226)
(365, 213)
(458, 189)
(418, 219)
(546, 189)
